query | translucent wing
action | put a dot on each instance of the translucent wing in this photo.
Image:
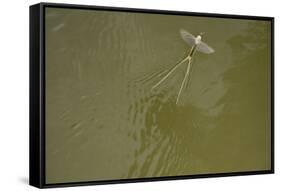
(187, 37)
(203, 47)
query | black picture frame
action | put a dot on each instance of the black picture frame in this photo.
(37, 95)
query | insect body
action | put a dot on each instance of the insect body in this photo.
(196, 44)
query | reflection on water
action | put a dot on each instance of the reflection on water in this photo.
(104, 122)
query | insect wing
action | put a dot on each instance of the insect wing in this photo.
(187, 37)
(203, 47)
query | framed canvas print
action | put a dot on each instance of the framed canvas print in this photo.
(127, 95)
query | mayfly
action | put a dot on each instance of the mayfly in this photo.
(196, 44)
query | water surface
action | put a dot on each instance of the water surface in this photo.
(103, 121)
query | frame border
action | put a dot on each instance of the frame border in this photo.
(37, 171)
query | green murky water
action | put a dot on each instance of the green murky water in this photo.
(104, 122)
